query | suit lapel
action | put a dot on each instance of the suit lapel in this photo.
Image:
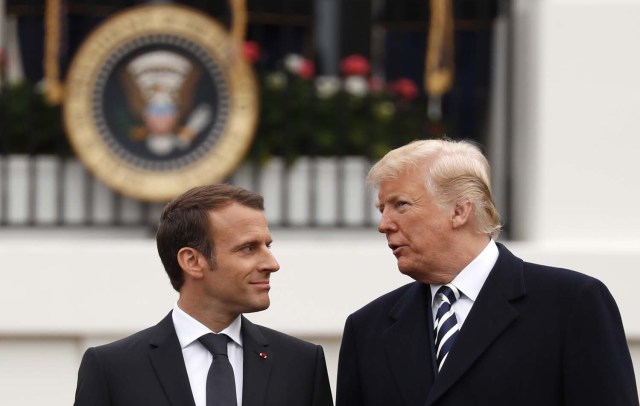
(407, 347)
(490, 315)
(258, 361)
(166, 357)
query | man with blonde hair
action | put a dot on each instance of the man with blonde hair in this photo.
(479, 326)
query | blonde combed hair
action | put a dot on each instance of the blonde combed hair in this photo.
(457, 172)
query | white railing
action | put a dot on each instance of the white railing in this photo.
(47, 190)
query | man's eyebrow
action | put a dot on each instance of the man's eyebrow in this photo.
(249, 242)
(389, 199)
(244, 243)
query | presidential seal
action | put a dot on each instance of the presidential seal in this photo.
(158, 100)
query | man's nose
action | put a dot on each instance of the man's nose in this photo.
(386, 224)
(271, 264)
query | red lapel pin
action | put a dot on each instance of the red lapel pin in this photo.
(263, 355)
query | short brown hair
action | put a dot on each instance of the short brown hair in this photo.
(185, 223)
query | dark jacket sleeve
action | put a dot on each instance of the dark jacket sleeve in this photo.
(597, 363)
(322, 388)
(348, 391)
(92, 389)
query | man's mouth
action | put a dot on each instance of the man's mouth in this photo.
(395, 248)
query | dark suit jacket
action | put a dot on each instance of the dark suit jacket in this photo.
(535, 336)
(147, 369)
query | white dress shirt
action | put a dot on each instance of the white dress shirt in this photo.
(469, 282)
(197, 358)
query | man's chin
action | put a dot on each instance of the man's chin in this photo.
(258, 307)
(410, 271)
(406, 269)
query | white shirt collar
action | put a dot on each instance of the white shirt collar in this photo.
(470, 280)
(189, 329)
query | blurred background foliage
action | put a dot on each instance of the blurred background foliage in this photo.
(300, 114)
(354, 114)
(30, 125)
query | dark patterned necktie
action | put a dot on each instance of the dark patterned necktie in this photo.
(446, 326)
(221, 384)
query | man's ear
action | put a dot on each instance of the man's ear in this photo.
(192, 262)
(461, 214)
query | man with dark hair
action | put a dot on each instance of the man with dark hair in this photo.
(214, 244)
(478, 326)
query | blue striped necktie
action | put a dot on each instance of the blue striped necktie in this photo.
(446, 326)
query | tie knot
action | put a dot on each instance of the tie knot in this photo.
(215, 343)
(449, 293)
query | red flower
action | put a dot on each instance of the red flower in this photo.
(376, 84)
(251, 51)
(355, 65)
(406, 88)
(307, 69)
